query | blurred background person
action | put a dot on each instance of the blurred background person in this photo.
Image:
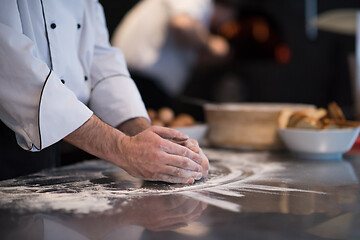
(163, 40)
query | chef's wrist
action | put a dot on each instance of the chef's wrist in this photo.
(97, 138)
(134, 126)
(117, 151)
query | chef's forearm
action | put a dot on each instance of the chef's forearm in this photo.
(134, 126)
(97, 138)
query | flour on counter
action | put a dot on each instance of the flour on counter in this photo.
(94, 186)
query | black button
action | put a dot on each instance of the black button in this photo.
(78, 26)
(63, 81)
(53, 25)
(86, 78)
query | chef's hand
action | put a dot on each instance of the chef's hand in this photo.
(153, 154)
(162, 154)
(137, 125)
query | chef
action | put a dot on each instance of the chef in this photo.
(61, 79)
(162, 49)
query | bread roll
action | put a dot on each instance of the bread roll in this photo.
(183, 120)
(157, 122)
(166, 115)
(335, 111)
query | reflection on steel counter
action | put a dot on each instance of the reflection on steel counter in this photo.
(246, 193)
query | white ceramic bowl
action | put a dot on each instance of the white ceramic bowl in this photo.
(197, 131)
(319, 144)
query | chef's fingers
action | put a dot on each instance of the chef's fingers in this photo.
(180, 162)
(169, 133)
(175, 174)
(194, 146)
(171, 179)
(182, 173)
(191, 144)
(204, 164)
(179, 150)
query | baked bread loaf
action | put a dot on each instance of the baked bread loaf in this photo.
(320, 118)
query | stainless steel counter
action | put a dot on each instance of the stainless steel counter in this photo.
(247, 195)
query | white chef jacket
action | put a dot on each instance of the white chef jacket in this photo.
(149, 46)
(57, 68)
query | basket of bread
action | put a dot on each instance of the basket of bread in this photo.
(318, 133)
(247, 126)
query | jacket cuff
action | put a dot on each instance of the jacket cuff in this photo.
(60, 112)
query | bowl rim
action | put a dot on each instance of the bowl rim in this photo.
(259, 106)
(335, 130)
(196, 125)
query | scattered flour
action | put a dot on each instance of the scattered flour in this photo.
(72, 189)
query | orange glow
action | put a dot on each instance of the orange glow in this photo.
(230, 29)
(260, 30)
(282, 53)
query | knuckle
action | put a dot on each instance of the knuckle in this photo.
(177, 171)
(194, 142)
(154, 155)
(153, 128)
(186, 152)
(186, 164)
(164, 178)
(156, 142)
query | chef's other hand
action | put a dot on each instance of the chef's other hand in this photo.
(193, 145)
(155, 155)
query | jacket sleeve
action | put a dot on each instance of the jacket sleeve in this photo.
(199, 10)
(33, 101)
(114, 96)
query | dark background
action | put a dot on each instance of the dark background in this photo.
(317, 73)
